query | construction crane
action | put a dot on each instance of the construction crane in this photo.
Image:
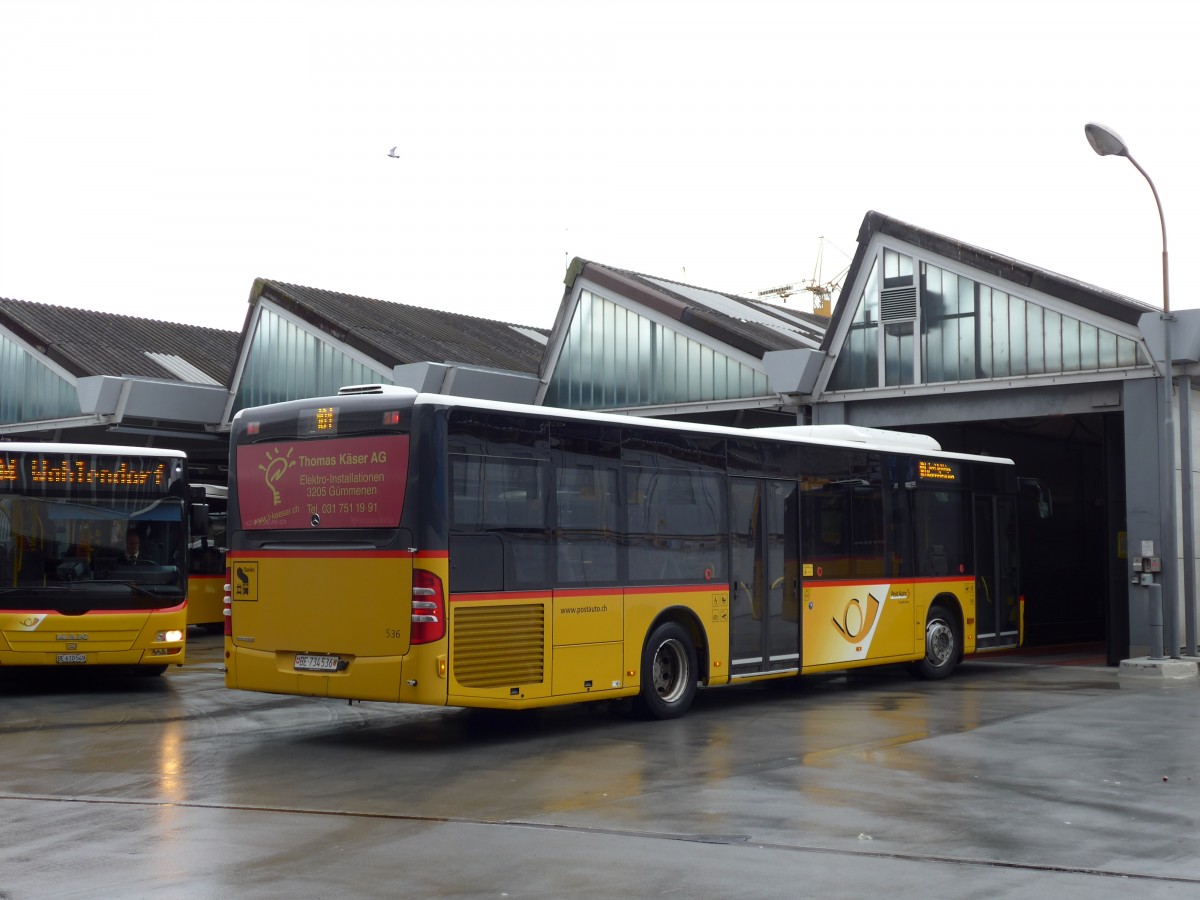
(822, 291)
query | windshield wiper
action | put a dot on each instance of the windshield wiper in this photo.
(133, 586)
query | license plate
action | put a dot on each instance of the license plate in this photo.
(70, 658)
(311, 663)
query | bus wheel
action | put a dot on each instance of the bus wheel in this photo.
(668, 672)
(943, 644)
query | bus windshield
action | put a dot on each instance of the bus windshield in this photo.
(76, 557)
(84, 528)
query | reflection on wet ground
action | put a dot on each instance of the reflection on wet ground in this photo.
(862, 783)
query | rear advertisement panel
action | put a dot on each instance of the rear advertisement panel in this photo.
(354, 482)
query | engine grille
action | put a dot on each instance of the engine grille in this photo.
(499, 646)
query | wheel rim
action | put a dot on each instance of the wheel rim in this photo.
(939, 642)
(670, 670)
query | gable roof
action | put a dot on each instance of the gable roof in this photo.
(84, 342)
(752, 326)
(1086, 296)
(396, 334)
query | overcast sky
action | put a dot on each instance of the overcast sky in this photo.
(156, 157)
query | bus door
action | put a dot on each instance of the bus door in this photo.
(997, 607)
(765, 577)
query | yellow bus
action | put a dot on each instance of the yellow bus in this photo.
(206, 562)
(93, 541)
(387, 545)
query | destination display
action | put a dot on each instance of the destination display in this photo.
(33, 473)
(937, 470)
(336, 483)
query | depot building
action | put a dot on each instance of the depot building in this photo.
(928, 334)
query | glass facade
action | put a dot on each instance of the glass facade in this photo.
(612, 357)
(966, 331)
(31, 390)
(858, 363)
(286, 361)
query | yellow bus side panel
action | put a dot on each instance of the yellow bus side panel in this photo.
(512, 650)
(587, 637)
(709, 607)
(857, 623)
(958, 595)
(846, 628)
(587, 618)
(206, 599)
(500, 649)
(587, 669)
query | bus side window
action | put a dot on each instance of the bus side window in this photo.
(476, 562)
(678, 532)
(826, 520)
(502, 498)
(587, 521)
(867, 558)
(941, 533)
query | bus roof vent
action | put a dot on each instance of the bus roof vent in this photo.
(377, 389)
(858, 435)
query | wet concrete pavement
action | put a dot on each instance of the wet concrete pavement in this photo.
(1010, 779)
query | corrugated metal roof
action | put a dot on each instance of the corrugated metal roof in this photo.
(398, 334)
(750, 325)
(86, 342)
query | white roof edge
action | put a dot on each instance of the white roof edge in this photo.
(92, 449)
(858, 434)
(834, 435)
(870, 438)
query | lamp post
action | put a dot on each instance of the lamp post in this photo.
(1107, 142)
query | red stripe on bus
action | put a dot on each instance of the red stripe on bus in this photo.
(707, 588)
(589, 592)
(813, 581)
(323, 554)
(500, 595)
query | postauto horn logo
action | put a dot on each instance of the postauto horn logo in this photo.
(857, 622)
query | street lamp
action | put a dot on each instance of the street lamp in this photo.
(1107, 142)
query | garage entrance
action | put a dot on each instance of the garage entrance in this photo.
(1072, 576)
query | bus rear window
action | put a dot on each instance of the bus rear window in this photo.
(353, 482)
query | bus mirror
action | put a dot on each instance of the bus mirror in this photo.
(1040, 494)
(199, 519)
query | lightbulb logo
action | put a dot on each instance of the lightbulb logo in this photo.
(274, 469)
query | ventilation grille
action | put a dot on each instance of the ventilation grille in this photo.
(499, 646)
(898, 304)
(375, 389)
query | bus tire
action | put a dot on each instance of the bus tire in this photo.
(668, 672)
(148, 671)
(943, 644)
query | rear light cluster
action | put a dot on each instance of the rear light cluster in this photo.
(428, 608)
(227, 604)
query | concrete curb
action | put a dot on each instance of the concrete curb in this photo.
(1146, 669)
